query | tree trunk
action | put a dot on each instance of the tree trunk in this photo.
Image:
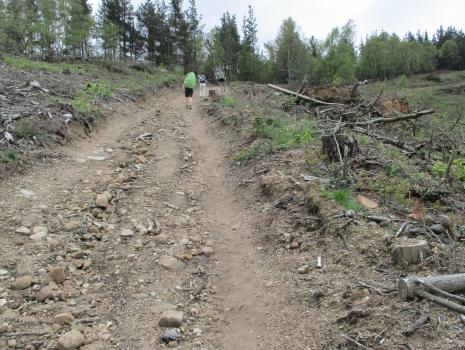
(338, 148)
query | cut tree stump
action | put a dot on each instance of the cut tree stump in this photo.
(338, 148)
(407, 251)
(411, 287)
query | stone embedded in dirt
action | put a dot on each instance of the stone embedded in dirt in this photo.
(367, 203)
(303, 269)
(171, 318)
(28, 193)
(9, 315)
(102, 200)
(97, 158)
(78, 263)
(3, 328)
(23, 230)
(295, 245)
(64, 319)
(22, 282)
(140, 159)
(127, 232)
(170, 263)
(207, 251)
(44, 293)
(141, 229)
(71, 226)
(57, 274)
(408, 251)
(71, 340)
(3, 272)
(39, 232)
(3, 302)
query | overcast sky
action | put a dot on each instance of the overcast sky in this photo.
(318, 17)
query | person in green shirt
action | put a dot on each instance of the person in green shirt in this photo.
(189, 85)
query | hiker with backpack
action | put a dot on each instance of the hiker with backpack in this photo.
(189, 85)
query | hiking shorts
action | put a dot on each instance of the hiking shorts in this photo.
(188, 92)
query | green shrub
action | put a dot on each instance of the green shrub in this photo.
(9, 156)
(228, 101)
(343, 196)
(283, 135)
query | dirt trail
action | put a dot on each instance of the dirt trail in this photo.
(178, 181)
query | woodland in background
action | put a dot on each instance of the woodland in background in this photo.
(171, 34)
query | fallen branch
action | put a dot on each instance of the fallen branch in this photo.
(353, 341)
(415, 115)
(303, 97)
(416, 325)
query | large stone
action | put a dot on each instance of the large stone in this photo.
(23, 230)
(127, 232)
(170, 263)
(71, 340)
(207, 251)
(44, 294)
(408, 251)
(57, 274)
(39, 232)
(64, 319)
(22, 282)
(367, 203)
(102, 200)
(71, 226)
(171, 318)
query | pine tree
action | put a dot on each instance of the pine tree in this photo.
(78, 27)
(149, 23)
(249, 60)
(230, 41)
(193, 38)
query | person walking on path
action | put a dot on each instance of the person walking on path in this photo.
(189, 85)
(202, 86)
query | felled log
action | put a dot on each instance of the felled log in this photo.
(303, 97)
(411, 287)
(338, 148)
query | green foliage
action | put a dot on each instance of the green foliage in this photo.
(285, 135)
(438, 169)
(403, 82)
(8, 156)
(343, 197)
(229, 101)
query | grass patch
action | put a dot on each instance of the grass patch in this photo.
(343, 197)
(285, 135)
(9, 156)
(229, 101)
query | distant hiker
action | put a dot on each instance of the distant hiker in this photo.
(221, 79)
(189, 85)
(202, 86)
